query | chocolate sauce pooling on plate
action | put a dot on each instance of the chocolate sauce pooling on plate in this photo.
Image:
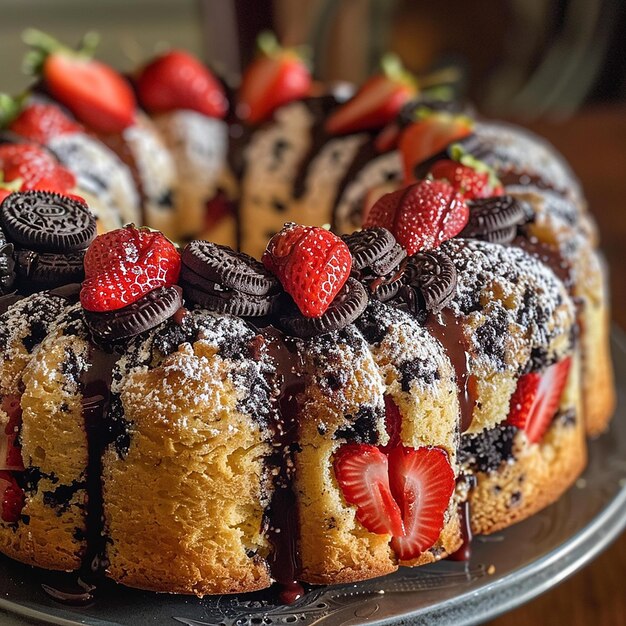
(448, 329)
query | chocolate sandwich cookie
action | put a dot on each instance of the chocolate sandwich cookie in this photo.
(368, 245)
(234, 270)
(45, 270)
(216, 296)
(430, 280)
(47, 222)
(7, 265)
(150, 311)
(348, 304)
(390, 261)
(495, 219)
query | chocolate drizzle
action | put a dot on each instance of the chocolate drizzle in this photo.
(320, 108)
(550, 256)
(95, 382)
(282, 513)
(448, 329)
(465, 521)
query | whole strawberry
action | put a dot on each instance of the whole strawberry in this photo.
(469, 176)
(377, 102)
(421, 216)
(124, 265)
(311, 263)
(95, 93)
(177, 80)
(431, 132)
(275, 77)
(42, 122)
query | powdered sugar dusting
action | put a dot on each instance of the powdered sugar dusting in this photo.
(509, 296)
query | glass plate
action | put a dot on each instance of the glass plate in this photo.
(505, 570)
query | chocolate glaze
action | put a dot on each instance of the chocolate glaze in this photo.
(8, 300)
(68, 589)
(448, 329)
(550, 256)
(465, 551)
(95, 385)
(283, 524)
(513, 177)
(320, 108)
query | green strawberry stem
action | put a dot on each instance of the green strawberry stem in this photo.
(438, 78)
(268, 45)
(43, 45)
(12, 185)
(10, 107)
(393, 68)
(458, 153)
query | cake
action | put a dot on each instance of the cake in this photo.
(200, 420)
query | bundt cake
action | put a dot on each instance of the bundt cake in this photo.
(417, 354)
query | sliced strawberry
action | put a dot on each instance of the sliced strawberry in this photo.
(375, 193)
(135, 266)
(422, 481)
(393, 425)
(429, 135)
(362, 473)
(312, 264)
(10, 454)
(277, 76)
(177, 80)
(95, 93)
(42, 122)
(536, 399)
(11, 498)
(470, 181)
(420, 216)
(377, 102)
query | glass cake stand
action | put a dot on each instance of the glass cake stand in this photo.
(505, 569)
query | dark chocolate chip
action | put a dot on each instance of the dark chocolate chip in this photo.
(155, 307)
(494, 219)
(368, 245)
(47, 222)
(45, 270)
(234, 270)
(348, 304)
(488, 450)
(433, 275)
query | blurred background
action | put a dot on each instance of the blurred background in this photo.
(521, 58)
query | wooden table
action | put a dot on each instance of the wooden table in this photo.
(594, 142)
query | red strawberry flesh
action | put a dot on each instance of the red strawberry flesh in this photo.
(422, 481)
(536, 399)
(393, 425)
(362, 473)
(11, 498)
